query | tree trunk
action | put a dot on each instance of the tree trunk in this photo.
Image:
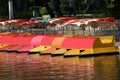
(57, 8)
(23, 5)
(116, 8)
(50, 11)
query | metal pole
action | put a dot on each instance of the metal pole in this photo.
(10, 6)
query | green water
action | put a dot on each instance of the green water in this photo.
(22, 66)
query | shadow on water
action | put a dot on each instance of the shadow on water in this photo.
(44, 67)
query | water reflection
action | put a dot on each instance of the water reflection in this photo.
(22, 66)
(106, 67)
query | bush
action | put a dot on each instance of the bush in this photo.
(43, 11)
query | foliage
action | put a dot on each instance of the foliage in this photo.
(43, 11)
(23, 15)
(57, 8)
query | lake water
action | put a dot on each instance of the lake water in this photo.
(22, 66)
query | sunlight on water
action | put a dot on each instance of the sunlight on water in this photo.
(22, 66)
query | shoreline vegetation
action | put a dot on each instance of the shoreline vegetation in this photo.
(60, 8)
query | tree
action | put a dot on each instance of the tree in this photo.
(44, 3)
(56, 6)
(71, 7)
(102, 8)
(4, 8)
(20, 10)
(116, 9)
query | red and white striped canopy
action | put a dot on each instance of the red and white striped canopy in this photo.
(61, 19)
(93, 22)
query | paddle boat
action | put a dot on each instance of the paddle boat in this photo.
(66, 45)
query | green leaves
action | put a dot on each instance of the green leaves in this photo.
(62, 7)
